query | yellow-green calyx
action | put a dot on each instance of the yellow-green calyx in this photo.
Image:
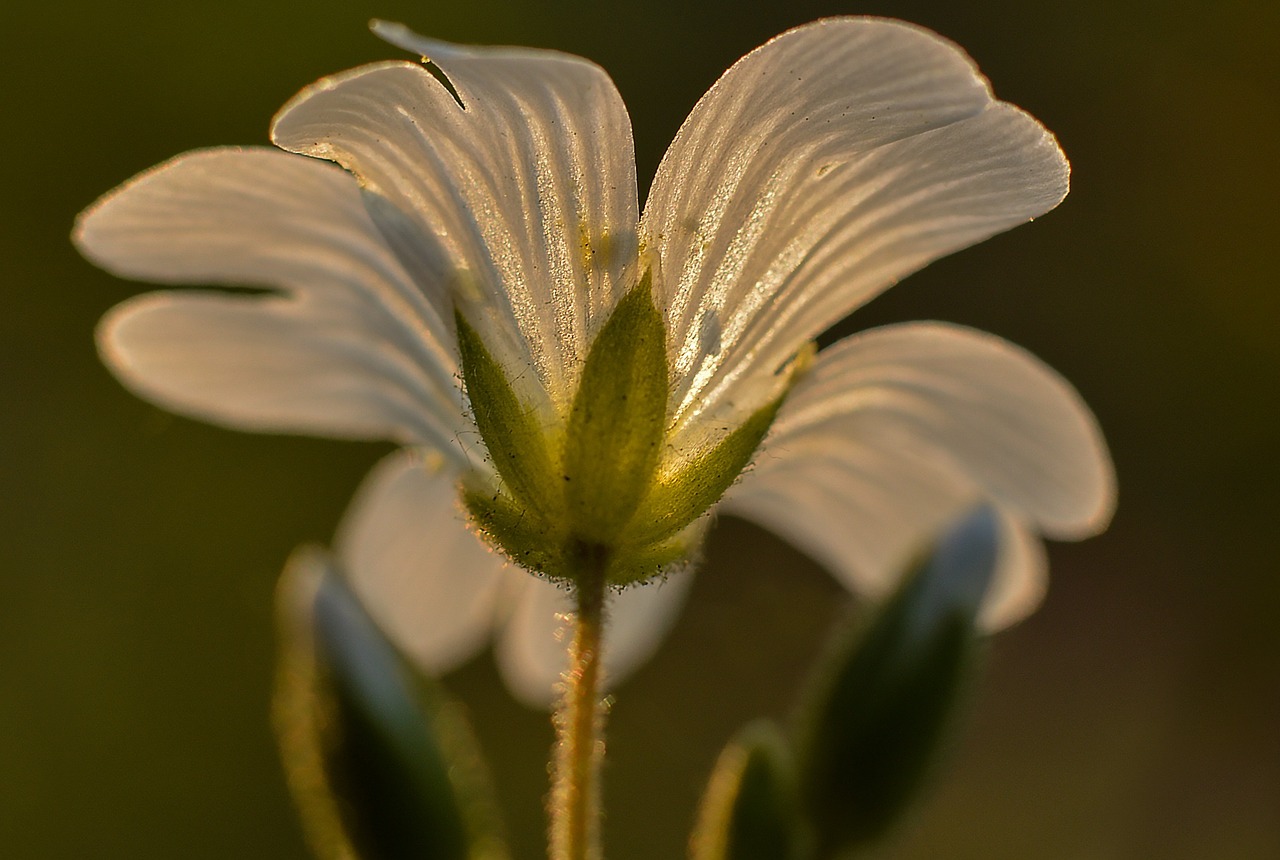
(593, 487)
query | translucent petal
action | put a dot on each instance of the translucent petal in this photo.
(521, 200)
(819, 170)
(899, 430)
(421, 573)
(866, 514)
(273, 364)
(860, 504)
(996, 412)
(639, 619)
(352, 347)
(532, 650)
(1021, 579)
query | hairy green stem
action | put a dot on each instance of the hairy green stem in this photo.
(574, 806)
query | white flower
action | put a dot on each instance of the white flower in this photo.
(820, 169)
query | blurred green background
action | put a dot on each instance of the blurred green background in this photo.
(1136, 715)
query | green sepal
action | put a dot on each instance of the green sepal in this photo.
(595, 481)
(679, 499)
(750, 810)
(618, 419)
(891, 694)
(512, 431)
(522, 534)
(380, 762)
(641, 563)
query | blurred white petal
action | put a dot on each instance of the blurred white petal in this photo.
(532, 649)
(352, 348)
(417, 567)
(1021, 579)
(820, 169)
(522, 200)
(639, 619)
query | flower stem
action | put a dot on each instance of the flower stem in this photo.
(579, 721)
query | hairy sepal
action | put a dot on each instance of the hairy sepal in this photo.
(618, 420)
(595, 478)
(677, 500)
(514, 432)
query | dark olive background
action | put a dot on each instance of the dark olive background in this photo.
(1136, 715)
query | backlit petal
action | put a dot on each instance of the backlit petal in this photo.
(416, 566)
(998, 414)
(532, 648)
(820, 169)
(639, 619)
(866, 516)
(1021, 579)
(899, 430)
(350, 348)
(856, 503)
(273, 364)
(521, 200)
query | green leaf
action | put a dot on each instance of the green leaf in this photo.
(511, 429)
(750, 810)
(891, 695)
(381, 764)
(618, 419)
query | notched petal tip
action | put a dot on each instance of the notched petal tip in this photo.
(429, 50)
(1032, 164)
(1052, 465)
(400, 36)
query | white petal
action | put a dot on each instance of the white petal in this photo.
(867, 515)
(819, 170)
(522, 200)
(352, 348)
(860, 504)
(639, 619)
(421, 573)
(1021, 578)
(534, 646)
(899, 430)
(269, 363)
(532, 649)
(998, 414)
